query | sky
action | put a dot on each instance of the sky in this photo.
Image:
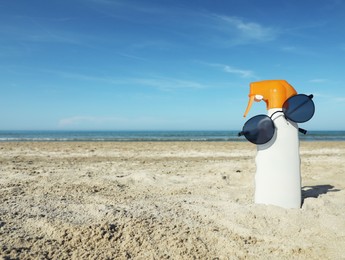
(165, 65)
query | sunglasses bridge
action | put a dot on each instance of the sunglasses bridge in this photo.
(301, 130)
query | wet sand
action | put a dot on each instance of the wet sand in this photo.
(164, 200)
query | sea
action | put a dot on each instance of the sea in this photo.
(148, 136)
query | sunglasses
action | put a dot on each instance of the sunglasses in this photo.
(260, 129)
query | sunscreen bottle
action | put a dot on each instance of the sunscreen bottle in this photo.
(278, 177)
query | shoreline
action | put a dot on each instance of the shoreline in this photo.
(163, 200)
(156, 141)
(150, 136)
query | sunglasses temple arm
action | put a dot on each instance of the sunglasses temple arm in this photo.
(240, 133)
(303, 131)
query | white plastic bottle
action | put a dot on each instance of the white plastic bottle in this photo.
(277, 178)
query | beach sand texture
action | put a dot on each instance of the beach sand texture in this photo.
(164, 200)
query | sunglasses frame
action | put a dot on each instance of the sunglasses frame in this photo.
(301, 130)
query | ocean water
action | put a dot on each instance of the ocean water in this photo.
(122, 136)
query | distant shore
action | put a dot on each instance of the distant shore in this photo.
(149, 136)
(160, 200)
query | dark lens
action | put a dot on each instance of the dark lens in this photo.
(299, 108)
(259, 129)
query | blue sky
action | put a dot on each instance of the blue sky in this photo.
(165, 65)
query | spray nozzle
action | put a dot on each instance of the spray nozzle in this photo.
(273, 92)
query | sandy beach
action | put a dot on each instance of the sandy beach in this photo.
(163, 200)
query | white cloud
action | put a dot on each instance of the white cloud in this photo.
(133, 57)
(158, 82)
(243, 73)
(318, 80)
(289, 48)
(246, 32)
(298, 50)
(240, 72)
(166, 83)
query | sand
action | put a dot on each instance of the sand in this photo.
(168, 200)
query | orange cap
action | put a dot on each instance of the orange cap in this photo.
(273, 92)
